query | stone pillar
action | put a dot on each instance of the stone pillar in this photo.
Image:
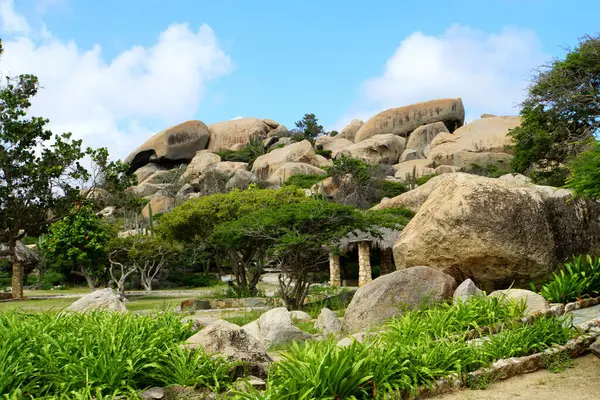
(386, 257)
(17, 280)
(335, 270)
(364, 263)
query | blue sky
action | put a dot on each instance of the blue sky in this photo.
(114, 72)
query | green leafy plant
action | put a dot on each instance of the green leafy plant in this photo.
(557, 361)
(578, 278)
(584, 179)
(248, 154)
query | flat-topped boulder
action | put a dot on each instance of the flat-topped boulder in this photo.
(178, 143)
(403, 120)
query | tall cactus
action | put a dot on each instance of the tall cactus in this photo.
(150, 218)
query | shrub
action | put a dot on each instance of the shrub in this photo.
(585, 173)
(304, 181)
(324, 153)
(248, 154)
(578, 278)
(424, 179)
(390, 188)
(100, 353)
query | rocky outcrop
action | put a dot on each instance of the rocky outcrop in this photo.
(413, 199)
(100, 300)
(288, 169)
(233, 343)
(534, 302)
(378, 149)
(349, 131)
(328, 322)
(229, 167)
(403, 120)
(472, 161)
(333, 144)
(241, 180)
(145, 189)
(225, 135)
(176, 144)
(421, 137)
(494, 232)
(410, 155)
(485, 136)
(275, 327)
(300, 152)
(392, 294)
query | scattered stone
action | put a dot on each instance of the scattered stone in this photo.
(393, 294)
(328, 322)
(175, 144)
(377, 149)
(275, 327)
(535, 302)
(467, 289)
(300, 315)
(233, 343)
(403, 120)
(194, 305)
(102, 299)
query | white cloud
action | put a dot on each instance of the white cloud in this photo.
(234, 118)
(489, 71)
(12, 22)
(114, 103)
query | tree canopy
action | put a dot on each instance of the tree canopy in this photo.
(560, 114)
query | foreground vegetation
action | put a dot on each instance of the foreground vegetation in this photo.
(577, 279)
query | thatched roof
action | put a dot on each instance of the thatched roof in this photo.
(387, 240)
(24, 253)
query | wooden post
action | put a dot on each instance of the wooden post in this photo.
(364, 263)
(17, 279)
(335, 270)
(387, 261)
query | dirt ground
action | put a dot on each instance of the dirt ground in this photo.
(581, 382)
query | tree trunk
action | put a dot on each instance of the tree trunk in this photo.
(364, 263)
(90, 281)
(335, 270)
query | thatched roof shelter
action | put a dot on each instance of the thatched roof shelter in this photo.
(386, 242)
(24, 253)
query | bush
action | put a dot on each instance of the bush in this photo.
(248, 154)
(578, 278)
(390, 188)
(100, 353)
(324, 153)
(304, 181)
(585, 173)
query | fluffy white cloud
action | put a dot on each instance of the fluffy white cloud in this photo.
(115, 103)
(12, 22)
(489, 71)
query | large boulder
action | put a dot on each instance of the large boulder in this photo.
(99, 300)
(392, 294)
(494, 232)
(349, 131)
(202, 162)
(160, 204)
(378, 149)
(233, 343)
(403, 120)
(147, 171)
(421, 137)
(413, 199)
(275, 327)
(487, 135)
(294, 168)
(177, 143)
(300, 152)
(534, 302)
(418, 168)
(328, 322)
(225, 135)
(333, 144)
(145, 189)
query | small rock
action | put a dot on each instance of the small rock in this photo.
(153, 393)
(275, 327)
(467, 289)
(256, 383)
(188, 393)
(103, 299)
(535, 302)
(328, 322)
(300, 315)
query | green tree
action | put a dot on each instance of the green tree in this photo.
(584, 178)
(79, 242)
(299, 237)
(37, 171)
(308, 127)
(196, 219)
(560, 113)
